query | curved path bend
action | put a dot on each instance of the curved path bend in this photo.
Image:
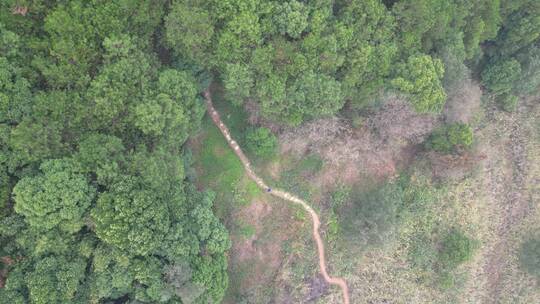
(281, 194)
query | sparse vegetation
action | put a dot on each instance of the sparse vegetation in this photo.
(374, 216)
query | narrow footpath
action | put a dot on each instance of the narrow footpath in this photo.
(280, 194)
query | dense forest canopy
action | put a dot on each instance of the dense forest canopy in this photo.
(97, 99)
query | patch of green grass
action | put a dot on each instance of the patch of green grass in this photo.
(340, 196)
(252, 189)
(529, 255)
(220, 167)
(246, 230)
(310, 164)
(300, 214)
(296, 178)
(333, 229)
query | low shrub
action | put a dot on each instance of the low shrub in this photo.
(373, 217)
(456, 248)
(261, 142)
(529, 256)
(450, 137)
(508, 102)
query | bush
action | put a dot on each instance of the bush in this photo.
(529, 256)
(374, 217)
(508, 102)
(261, 142)
(450, 137)
(437, 261)
(499, 77)
(456, 248)
(340, 196)
(530, 76)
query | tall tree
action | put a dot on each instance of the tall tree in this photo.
(58, 197)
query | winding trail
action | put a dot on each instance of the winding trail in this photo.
(281, 194)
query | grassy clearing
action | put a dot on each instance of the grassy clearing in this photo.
(217, 166)
(257, 233)
(297, 173)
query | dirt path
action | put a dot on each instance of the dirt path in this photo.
(280, 194)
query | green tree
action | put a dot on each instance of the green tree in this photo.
(15, 95)
(211, 233)
(316, 95)
(56, 280)
(292, 18)
(131, 217)
(421, 78)
(58, 197)
(111, 275)
(189, 31)
(183, 91)
(500, 76)
(102, 155)
(123, 81)
(366, 38)
(450, 137)
(529, 81)
(521, 27)
(238, 80)
(309, 96)
(261, 141)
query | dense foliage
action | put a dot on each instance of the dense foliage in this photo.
(95, 204)
(261, 141)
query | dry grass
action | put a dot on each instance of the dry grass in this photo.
(377, 149)
(463, 102)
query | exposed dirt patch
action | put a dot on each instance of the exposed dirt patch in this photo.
(254, 214)
(317, 288)
(258, 258)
